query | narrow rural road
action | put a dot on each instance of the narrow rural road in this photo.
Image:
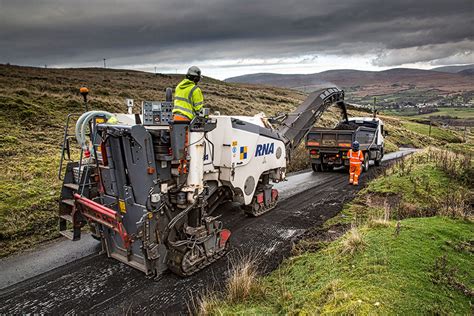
(61, 279)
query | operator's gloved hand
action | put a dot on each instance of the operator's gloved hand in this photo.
(204, 112)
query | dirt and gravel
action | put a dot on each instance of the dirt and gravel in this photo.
(96, 284)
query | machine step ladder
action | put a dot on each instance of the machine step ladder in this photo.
(69, 224)
(79, 176)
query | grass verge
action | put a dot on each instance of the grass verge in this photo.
(408, 252)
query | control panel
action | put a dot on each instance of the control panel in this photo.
(157, 113)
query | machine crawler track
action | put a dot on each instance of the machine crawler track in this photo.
(255, 209)
(260, 205)
(180, 270)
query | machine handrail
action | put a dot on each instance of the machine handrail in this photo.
(66, 138)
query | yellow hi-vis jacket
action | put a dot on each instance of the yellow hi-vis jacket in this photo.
(188, 99)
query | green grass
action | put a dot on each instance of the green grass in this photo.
(423, 183)
(466, 148)
(426, 185)
(29, 193)
(390, 146)
(453, 112)
(416, 186)
(391, 275)
(420, 265)
(29, 188)
(461, 113)
(400, 136)
(441, 134)
(404, 112)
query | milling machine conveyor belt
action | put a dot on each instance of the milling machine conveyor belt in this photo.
(296, 125)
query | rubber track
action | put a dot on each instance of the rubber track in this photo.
(203, 264)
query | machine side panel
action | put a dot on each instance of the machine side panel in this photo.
(132, 157)
(247, 152)
(140, 162)
(264, 155)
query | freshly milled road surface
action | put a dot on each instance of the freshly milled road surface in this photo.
(97, 284)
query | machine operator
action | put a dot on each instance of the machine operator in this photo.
(188, 98)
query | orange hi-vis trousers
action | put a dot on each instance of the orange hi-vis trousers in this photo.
(355, 164)
(354, 173)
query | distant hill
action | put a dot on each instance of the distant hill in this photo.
(346, 78)
(398, 84)
(454, 69)
(467, 72)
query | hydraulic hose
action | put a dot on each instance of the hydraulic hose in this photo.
(83, 122)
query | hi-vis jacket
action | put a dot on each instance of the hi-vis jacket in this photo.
(188, 99)
(355, 157)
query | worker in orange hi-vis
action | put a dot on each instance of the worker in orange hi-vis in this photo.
(356, 157)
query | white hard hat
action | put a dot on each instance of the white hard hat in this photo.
(194, 71)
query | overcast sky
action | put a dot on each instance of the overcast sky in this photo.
(227, 38)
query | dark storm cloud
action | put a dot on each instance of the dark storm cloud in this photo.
(138, 32)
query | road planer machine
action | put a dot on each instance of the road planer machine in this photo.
(148, 187)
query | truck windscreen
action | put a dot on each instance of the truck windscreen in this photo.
(367, 124)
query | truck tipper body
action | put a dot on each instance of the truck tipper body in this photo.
(328, 147)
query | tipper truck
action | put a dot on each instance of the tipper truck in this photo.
(328, 147)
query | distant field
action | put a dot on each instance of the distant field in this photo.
(404, 112)
(461, 113)
(442, 134)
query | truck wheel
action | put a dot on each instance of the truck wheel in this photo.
(365, 165)
(326, 167)
(316, 167)
(378, 162)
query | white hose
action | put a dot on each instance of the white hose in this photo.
(83, 122)
(86, 124)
